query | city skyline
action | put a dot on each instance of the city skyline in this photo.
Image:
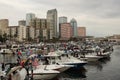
(101, 18)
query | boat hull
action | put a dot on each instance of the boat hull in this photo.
(90, 59)
(60, 68)
(44, 76)
(105, 55)
(77, 65)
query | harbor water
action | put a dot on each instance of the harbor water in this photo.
(105, 69)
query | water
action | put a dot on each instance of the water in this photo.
(106, 69)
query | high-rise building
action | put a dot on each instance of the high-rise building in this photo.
(62, 19)
(22, 23)
(65, 31)
(22, 33)
(73, 23)
(52, 23)
(29, 18)
(39, 25)
(43, 28)
(4, 26)
(81, 31)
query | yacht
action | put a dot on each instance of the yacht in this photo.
(92, 57)
(66, 59)
(49, 63)
(43, 73)
(105, 54)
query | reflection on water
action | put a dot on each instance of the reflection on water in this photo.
(99, 64)
(105, 60)
(72, 74)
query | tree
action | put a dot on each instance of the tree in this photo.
(5, 37)
(30, 39)
(1, 38)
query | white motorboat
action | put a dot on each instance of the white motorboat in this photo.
(44, 73)
(60, 68)
(70, 60)
(52, 65)
(104, 55)
(93, 57)
(67, 59)
(6, 51)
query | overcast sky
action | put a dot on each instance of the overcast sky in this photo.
(100, 17)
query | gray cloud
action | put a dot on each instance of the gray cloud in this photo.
(95, 8)
(101, 15)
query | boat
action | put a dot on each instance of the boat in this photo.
(43, 74)
(66, 59)
(92, 57)
(6, 51)
(58, 67)
(51, 64)
(70, 60)
(105, 54)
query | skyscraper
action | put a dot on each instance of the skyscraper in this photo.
(62, 19)
(29, 17)
(73, 23)
(52, 23)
